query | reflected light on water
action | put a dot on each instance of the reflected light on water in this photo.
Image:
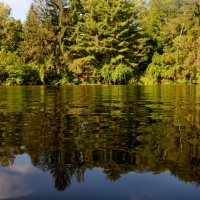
(12, 181)
(12, 186)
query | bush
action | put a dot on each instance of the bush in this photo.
(15, 72)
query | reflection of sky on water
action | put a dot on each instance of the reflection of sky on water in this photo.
(24, 181)
(22, 165)
(133, 186)
(12, 186)
(12, 179)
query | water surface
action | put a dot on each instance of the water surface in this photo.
(96, 142)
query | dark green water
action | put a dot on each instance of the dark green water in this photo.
(96, 142)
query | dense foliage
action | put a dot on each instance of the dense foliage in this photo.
(101, 42)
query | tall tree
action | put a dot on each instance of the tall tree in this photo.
(177, 55)
(38, 39)
(56, 11)
(106, 40)
(5, 12)
(12, 35)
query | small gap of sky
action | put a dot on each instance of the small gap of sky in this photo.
(19, 8)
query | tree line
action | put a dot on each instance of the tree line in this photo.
(101, 42)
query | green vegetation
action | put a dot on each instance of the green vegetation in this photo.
(101, 42)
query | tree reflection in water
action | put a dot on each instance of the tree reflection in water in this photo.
(61, 176)
(66, 134)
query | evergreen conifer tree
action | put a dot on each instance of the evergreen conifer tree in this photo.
(38, 39)
(106, 40)
(56, 11)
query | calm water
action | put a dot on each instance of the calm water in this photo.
(96, 142)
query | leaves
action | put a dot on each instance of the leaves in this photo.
(108, 41)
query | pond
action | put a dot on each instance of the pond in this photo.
(97, 142)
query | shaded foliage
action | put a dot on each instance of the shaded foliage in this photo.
(104, 42)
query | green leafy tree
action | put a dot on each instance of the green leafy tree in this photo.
(174, 29)
(106, 41)
(5, 12)
(38, 40)
(12, 35)
(57, 14)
